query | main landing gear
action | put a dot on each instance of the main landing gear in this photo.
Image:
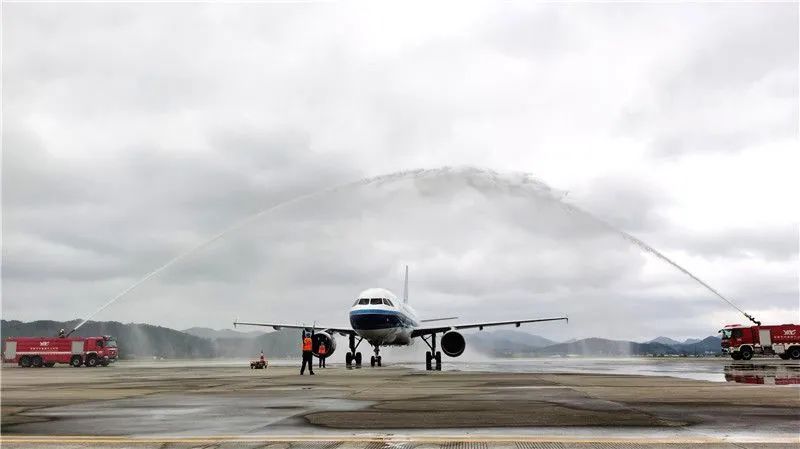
(376, 359)
(433, 355)
(353, 356)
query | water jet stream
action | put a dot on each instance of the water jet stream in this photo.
(527, 184)
(376, 179)
(645, 247)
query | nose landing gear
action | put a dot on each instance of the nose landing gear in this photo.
(376, 359)
(353, 356)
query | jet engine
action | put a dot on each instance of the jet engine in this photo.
(453, 344)
(323, 337)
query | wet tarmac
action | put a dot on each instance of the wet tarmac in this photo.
(190, 404)
(713, 369)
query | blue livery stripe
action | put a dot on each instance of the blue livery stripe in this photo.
(371, 319)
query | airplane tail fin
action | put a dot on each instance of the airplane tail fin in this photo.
(405, 287)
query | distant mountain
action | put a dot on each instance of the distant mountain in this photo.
(506, 343)
(513, 343)
(665, 341)
(601, 347)
(682, 346)
(523, 337)
(207, 332)
(708, 345)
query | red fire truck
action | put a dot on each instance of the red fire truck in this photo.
(47, 351)
(742, 342)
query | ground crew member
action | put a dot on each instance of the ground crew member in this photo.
(308, 357)
(262, 356)
(323, 354)
(62, 333)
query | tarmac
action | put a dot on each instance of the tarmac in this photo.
(127, 405)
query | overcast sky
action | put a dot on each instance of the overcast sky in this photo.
(133, 132)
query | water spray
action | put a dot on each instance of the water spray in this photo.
(529, 184)
(364, 181)
(644, 246)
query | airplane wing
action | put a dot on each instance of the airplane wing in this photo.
(278, 326)
(439, 329)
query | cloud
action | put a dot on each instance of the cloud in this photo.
(691, 107)
(134, 132)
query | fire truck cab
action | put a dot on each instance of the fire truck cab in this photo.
(742, 342)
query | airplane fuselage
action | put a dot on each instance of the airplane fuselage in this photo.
(382, 319)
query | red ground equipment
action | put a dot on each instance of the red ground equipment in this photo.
(258, 364)
(742, 342)
(47, 351)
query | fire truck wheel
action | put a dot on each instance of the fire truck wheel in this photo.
(37, 361)
(25, 361)
(736, 355)
(76, 361)
(794, 352)
(747, 353)
(91, 361)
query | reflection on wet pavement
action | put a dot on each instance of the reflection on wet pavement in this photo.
(713, 369)
(763, 374)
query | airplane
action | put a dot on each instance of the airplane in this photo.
(379, 318)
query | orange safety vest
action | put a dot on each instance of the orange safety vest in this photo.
(307, 344)
(322, 350)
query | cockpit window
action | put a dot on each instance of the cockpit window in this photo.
(363, 301)
(356, 303)
(376, 301)
(387, 302)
